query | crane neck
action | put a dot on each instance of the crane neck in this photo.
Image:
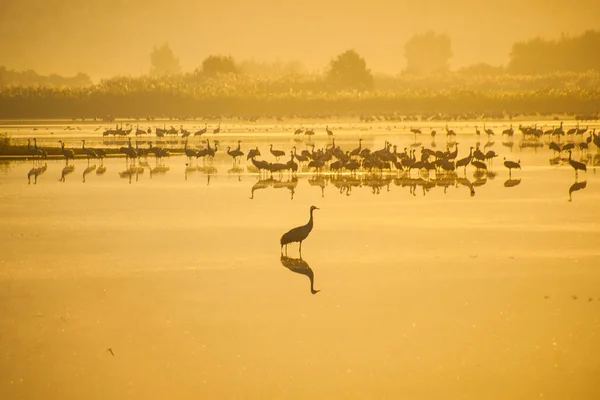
(310, 221)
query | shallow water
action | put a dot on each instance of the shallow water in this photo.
(425, 290)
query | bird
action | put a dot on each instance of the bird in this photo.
(510, 131)
(577, 166)
(201, 131)
(88, 152)
(41, 153)
(479, 165)
(31, 150)
(568, 146)
(253, 153)
(298, 234)
(489, 132)
(235, 153)
(129, 152)
(217, 129)
(511, 165)
(357, 151)
(188, 152)
(277, 153)
(67, 153)
(463, 162)
(329, 132)
(555, 147)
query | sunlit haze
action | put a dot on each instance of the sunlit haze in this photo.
(109, 37)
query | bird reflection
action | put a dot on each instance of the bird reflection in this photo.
(575, 187)
(88, 170)
(320, 181)
(209, 171)
(512, 182)
(130, 172)
(289, 184)
(190, 169)
(300, 266)
(261, 184)
(35, 172)
(467, 183)
(159, 170)
(101, 170)
(66, 171)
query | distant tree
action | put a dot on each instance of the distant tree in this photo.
(30, 78)
(163, 61)
(349, 71)
(428, 53)
(219, 65)
(539, 55)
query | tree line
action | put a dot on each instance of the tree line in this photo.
(32, 78)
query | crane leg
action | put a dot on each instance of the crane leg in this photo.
(300, 251)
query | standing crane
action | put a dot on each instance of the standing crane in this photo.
(88, 152)
(277, 153)
(67, 153)
(298, 234)
(511, 165)
(577, 166)
(201, 131)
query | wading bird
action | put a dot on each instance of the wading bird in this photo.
(577, 166)
(67, 153)
(89, 153)
(511, 165)
(298, 234)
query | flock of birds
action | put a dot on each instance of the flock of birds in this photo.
(417, 165)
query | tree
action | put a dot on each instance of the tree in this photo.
(349, 71)
(163, 61)
(427, 53)
(217, 65)
(538, 56)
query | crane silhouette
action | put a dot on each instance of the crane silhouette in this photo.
(201, 131)
(576, 165)
(67, 153)
(298, 234)
(300, 266)
(511, 165)
(89, 153)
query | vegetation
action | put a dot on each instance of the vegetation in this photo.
(308, 95)
(219, 65)
(250, 89)
(428, 53)
(32, 78)
(540, 56)
(349, 71)
(164, 62)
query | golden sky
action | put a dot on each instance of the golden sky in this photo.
(107, 37)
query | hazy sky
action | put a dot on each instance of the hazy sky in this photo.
(107, 37)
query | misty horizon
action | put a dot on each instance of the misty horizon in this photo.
(110, 38)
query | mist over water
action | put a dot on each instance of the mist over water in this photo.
(325, 199)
